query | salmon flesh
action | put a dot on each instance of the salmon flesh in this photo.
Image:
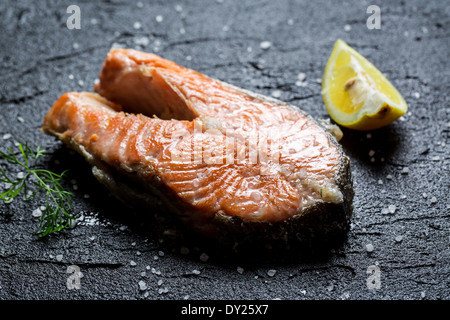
(221, 159)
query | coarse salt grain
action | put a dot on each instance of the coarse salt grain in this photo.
(240, 270)
(301, 76)
(36, 212)
(392, 208)
(265, 45)
(137, 25)
(6, 136)
(276, 93)
(405, 170)
(159, 18)
(347, 27)
(271, 272)
(142, 285)
(416, 95)
(132, 263)
(433, 200)
(195, 271)
(369, 247)
(398, 238)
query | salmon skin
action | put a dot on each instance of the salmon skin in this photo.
(227, 162)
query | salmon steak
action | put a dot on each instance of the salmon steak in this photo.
(226, 162)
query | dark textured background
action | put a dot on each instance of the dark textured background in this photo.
(41, 59)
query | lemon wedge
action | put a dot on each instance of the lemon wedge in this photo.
(356, 94)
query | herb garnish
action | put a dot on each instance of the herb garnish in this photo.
(58, 204)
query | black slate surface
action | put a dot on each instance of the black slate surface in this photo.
(41, 59)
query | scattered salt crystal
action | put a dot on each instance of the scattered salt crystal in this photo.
(204, 257)
(433, 200)
(405, 170)
(380, 181)
(424, 30)
(155, 258)
(92, 238)
(384, 211)
(403, 196)
(59, 257)
(142, 285)
(138, 253)
(147, 267)
(424, 195)
(422, 294)
(195, 271)
(160, 282)
(137, 25)
(435, 158)
(240, 270)
(20, 119)
(271, 272)
(371, 153)
(146, 294)
(80, 83)
(36, 212)
(416, 95)
(163, 290)
(75, 45)
(392, 208)
(182, 31)
(301, 83)
(140, 4)
(398, 238)
(369, 247)
(94, 21)
(159, 18)
(301, 76)
(142, 41)
(178, 8)
(276, 93)
(265, 45)
(249, 49)
(161, 253)
(347, 27)
(290, 22)
(389, 177)
(188, 58)
(133, 244)
(186, 297)
(225, 28)
(132, 263)
(143, 274)
(71, 76)
(6, 136)
(20, 175)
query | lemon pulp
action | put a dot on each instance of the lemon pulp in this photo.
(356, 94)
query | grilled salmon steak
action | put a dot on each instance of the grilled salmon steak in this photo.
(225, 161)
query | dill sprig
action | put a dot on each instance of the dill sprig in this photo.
(56, 215)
